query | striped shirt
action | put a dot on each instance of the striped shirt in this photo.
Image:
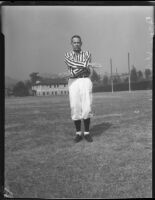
(78, 63)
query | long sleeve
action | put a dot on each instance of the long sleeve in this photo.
(78, 63)
(73, 63)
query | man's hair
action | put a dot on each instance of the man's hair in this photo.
(76, 36)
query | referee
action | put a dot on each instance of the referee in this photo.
(80, 87)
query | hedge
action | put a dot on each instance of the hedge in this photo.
(142, 85)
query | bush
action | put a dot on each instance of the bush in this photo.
(143, 85)
(20, 89)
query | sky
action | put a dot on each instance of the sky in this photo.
(37, 37)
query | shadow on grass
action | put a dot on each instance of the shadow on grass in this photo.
(98, 129)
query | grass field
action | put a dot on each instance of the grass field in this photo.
(42, 161)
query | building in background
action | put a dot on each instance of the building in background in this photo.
(50, 87)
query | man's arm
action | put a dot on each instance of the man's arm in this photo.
(88, 64)
(91, 72)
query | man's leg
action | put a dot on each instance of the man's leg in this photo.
(86, 124)
(78, 137)
(86, 98)
(75, 105)
(77, 125)
(86, 131)
(86, 89)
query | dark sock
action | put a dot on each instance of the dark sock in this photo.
(77, 125)
(86, 124)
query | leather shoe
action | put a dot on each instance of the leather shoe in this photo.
(78, 138)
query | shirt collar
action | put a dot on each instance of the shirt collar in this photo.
(79, 52)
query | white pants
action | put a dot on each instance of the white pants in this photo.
(80, 96)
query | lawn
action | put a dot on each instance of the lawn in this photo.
(42, 161)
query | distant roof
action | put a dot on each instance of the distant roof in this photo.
(56, 81)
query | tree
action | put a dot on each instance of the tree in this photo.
(20, 89)
(133, 75)
(105, 80)
(28, 86)
(147, 73)
(34, 77)
(126, 80)
(140, 75)
(116, 79)
(95, 77)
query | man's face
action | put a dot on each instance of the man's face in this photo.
(76, 44)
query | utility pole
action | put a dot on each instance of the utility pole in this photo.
(111, 75)
(129, 72)
(2, 94)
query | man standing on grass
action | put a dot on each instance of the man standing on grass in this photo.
(80, 87)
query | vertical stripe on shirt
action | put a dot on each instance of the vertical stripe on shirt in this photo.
(77, 63)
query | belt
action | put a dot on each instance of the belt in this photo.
(82, 76)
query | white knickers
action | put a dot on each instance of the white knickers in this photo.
(80, 96)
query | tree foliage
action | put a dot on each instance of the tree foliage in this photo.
(116, 79)
(95, 77)
(147, 73)
(105, 80)
(133, 75)
(28, 84)
(140, 75)
(34, 77)
(20, 89)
